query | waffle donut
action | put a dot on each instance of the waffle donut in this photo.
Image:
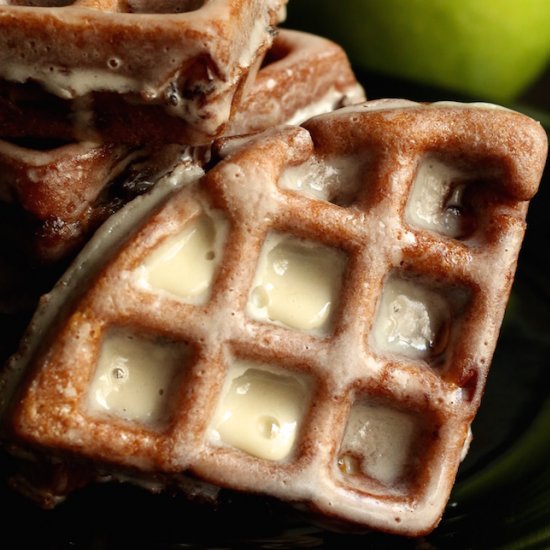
(313, 318)
(188, 58)
(302, 75)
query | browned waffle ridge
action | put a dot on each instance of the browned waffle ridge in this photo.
(370, 158)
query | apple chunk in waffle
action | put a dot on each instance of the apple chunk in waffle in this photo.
(313, 318)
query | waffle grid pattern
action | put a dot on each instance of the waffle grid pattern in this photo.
(343, 366)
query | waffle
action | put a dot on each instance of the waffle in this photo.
(66, 190)
(51, 202)
(188, 58)
(60, 195)
(302, 75)
(330, 343)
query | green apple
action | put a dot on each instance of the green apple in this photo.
(489, 49)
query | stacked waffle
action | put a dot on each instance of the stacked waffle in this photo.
(98, 99)
(141, 75)
(308, 312)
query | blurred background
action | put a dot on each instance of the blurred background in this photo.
(493, 50)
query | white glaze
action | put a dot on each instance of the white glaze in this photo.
(184, 264)
(134, 377)
(436, 199)
(297, 283)
(377, 442)
(336, 180)
(412, 320)
(261, 410)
